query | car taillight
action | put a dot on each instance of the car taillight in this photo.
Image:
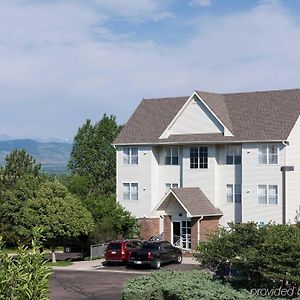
(150, 256)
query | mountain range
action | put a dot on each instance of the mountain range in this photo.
(53, 156)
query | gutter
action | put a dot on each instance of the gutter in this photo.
(201, 142)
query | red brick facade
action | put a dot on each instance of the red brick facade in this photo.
(167, 228)
(207, 226)
(149, 227)
(194, 232)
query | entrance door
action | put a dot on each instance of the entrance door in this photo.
(186, 235)
(182, 234)
(176, 233)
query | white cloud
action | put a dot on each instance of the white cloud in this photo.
(137, 10)
(201, 2)
(59, 64)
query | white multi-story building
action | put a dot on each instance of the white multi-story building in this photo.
(187, 164)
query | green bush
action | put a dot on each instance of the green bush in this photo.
(167, 285)
(24, 276)
(266, 256)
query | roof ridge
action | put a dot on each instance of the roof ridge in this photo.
(166, 98)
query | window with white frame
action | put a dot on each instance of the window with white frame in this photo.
(171, 185)
(171, 155)
(130, 191)
(267, 154)
(233, 155)
(267, 194)
(234, 193)
(130, 156)
(198, 157)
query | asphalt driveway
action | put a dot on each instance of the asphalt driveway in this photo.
(103, 283)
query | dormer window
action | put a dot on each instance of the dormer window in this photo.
(171, 155)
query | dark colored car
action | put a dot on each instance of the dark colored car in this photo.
(119, 251)
(154, 254)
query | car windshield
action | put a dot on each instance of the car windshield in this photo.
(114, 246)
(150, 246)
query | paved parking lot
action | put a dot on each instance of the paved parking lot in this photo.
(104, 282)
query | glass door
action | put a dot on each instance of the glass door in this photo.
(176, 234)
(186, 242)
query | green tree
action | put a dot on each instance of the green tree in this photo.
(17, 164)
(262, 255)
(111, 219)
(60, 214)
(93, 155)
(19, 179)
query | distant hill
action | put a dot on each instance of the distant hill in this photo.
(53, 156)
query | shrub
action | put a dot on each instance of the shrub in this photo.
(24, 276)
(165, 285)
(263, 255)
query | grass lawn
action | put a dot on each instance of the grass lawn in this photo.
(63, 263)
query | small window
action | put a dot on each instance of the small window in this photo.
(171, 156)
(268, 194)
(262, 194)
(233, 155)
(229, 193)
(273, 194)
(170, 185)
(267, 154)
(130, 156)
(130, 191)
(234, 193)
(198, 157)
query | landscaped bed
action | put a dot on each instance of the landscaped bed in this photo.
(167, 285)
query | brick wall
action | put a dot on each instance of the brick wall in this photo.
(149, 227)
(208, 225)
(194, 232)
(167, 228)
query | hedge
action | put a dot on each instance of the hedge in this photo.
(167, 285)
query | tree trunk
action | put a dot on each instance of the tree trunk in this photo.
(53, 254)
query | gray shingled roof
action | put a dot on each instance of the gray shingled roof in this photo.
(194, 200)
(253, 116)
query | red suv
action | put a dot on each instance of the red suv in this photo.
(119, 251)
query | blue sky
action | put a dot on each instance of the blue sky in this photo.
(62, 62)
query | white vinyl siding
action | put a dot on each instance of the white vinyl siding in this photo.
(130, 191)
(267, 194)
(267, 154)
(130, 156)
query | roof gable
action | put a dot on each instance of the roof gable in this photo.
(192, 200)
(195, 117)
(254, 116)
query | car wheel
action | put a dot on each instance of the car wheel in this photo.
(68, 249)
(157, 264)
(179, 259)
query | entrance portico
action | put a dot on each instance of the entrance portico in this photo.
(188, 217)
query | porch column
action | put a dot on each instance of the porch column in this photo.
(167, 228)
(195, 232)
